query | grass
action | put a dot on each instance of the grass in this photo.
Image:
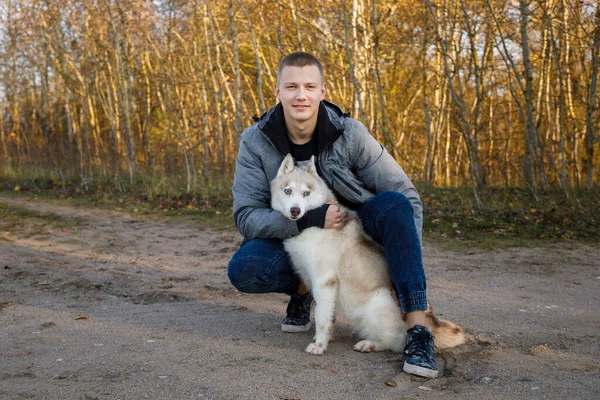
(12, 220)
(510, 217)
(209, 201)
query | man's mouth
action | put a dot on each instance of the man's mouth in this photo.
(301, 107)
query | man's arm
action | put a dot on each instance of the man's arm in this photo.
(252, 212)
(380, 172)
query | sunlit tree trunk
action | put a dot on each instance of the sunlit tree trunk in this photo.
(259, 69)
(590, 134)
(447, 46)
(357, 95)
(237, 78)
(218, 95)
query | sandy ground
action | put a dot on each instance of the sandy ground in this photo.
(124, 307)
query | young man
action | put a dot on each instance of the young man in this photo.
(363, 176)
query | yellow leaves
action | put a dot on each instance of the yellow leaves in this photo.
(17, 188)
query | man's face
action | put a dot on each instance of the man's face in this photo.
(300, 89)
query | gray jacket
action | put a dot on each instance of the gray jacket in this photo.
(352, 163)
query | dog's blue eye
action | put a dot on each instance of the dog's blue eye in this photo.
(306, 194)
(288, 191)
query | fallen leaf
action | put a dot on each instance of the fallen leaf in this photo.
(81, 317)
(539, 349)
(578, 283)
(424, 388)
(392, 383)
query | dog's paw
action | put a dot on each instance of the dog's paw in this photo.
(316, 349)
(365, 346)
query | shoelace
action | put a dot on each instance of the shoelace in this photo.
(419, 343)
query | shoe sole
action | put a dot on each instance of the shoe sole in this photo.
(419, 371)
(296, 328)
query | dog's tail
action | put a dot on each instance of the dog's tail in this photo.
(445, 333)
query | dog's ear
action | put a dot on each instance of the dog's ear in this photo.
(311, 167)
(287, 165)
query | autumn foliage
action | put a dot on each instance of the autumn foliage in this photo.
(480, 93)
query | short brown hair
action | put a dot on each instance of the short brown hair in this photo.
(299, 59)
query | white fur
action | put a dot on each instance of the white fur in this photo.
(346, 271)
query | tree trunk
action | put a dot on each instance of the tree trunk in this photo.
(218, 95)
(357, 89)
(256, 47)
(590, 134)
(237, 86)
(532, 138)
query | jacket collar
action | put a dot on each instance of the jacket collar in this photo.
(328, 130)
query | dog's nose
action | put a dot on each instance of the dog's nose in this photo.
(295, 211)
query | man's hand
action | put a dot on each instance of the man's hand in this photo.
(333, 218)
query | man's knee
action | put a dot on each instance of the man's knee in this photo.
(392, 199)
(238, 275)
(393, 205)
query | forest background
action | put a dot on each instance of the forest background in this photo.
(490, 106)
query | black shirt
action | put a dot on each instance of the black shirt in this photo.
(303, 152)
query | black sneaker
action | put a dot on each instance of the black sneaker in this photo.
(298, 313)
(419, 348)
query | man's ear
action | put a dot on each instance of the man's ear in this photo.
(287, 165)
(323, 91)
(276, 90)
(311, 167)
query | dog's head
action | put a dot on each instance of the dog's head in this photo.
(296, 190)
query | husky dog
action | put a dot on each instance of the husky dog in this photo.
(346, 271)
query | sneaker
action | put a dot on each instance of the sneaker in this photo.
(419, 348)
(298, 313)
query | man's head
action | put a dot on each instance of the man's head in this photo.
(299, 59)
(300, 88)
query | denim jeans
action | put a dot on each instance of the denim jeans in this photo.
(263, 266)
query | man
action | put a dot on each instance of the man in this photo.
(363, 176)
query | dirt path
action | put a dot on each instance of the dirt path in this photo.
(120, 307)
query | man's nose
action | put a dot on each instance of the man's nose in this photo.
(295, 211)
(301, 94)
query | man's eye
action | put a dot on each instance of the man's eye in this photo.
(288, 191)
(306, 194)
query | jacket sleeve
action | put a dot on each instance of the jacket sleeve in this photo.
(252, 210)
(380, 172)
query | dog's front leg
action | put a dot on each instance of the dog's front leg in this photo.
(325, 294)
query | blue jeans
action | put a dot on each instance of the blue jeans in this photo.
(263, 266)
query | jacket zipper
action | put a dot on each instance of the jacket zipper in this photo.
(352, 187)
